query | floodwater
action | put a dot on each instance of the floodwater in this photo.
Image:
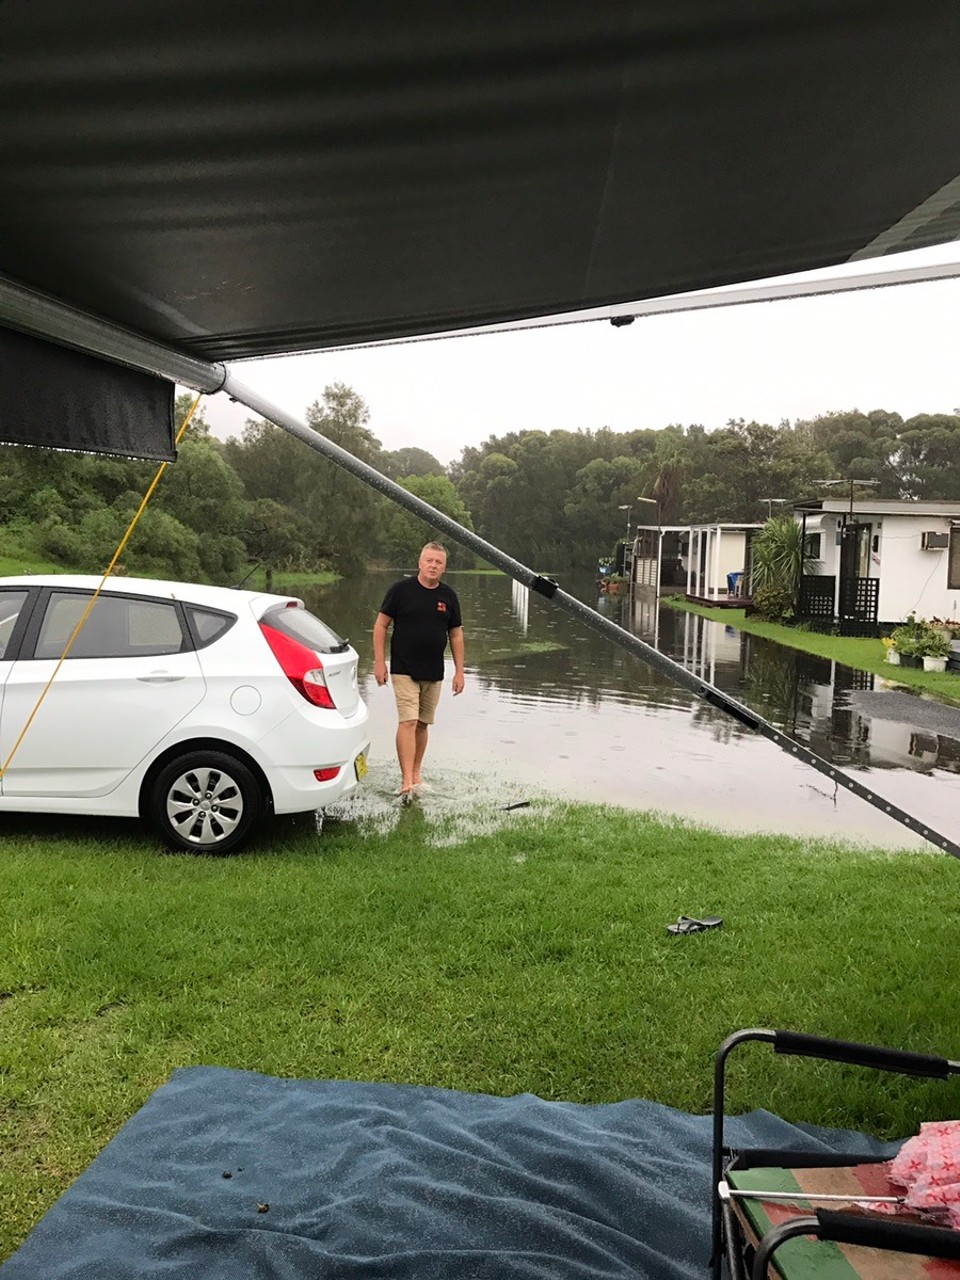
(553, 709)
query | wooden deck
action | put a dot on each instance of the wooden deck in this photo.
(719, 602)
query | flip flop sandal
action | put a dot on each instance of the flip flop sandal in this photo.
(706, 922)
(686, 924)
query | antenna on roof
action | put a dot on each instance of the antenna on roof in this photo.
(770, 502)
(851, 481)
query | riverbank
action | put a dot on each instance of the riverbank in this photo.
(20, 562)
(531, 956)
(861, 652)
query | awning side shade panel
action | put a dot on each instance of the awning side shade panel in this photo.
(56, 398)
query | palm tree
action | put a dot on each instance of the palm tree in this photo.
(778, 561)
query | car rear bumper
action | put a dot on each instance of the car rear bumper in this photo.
(296, 789)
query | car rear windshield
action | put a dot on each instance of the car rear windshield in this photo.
(299, 624)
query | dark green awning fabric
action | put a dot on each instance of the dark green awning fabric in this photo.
(61, 399)
(237, 178)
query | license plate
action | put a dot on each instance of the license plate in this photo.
(360, 764)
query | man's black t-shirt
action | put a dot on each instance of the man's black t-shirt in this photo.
(422, 620)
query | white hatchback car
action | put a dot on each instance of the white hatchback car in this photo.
(197, 708)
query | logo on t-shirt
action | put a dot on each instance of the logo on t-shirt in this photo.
(441, 606)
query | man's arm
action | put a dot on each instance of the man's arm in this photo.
(380, 629)
(456, 648)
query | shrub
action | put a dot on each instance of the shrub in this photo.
(773, 602)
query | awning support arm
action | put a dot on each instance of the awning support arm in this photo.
(36, 313)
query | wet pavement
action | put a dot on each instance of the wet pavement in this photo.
(910, 708)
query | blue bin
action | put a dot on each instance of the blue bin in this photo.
(734, 581)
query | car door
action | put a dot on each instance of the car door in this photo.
(131, 675)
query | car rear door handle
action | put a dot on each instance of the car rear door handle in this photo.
(159, 677)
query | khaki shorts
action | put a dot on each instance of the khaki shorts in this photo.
(416, 699)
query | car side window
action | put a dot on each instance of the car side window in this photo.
(11, 602)
(117, 627)
(209, 624)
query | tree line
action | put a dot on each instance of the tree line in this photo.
(552, 499)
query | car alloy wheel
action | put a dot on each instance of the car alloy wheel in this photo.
(206, 802)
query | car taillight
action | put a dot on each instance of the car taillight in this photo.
(300, 665)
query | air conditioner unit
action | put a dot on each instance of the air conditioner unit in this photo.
(933, 541)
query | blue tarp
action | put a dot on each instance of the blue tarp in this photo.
(231, 1175)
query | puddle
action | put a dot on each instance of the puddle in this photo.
(451, 806)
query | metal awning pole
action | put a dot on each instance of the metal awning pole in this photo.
(36, 313)
(44, 317)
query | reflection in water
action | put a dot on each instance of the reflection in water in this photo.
(520, 599)
(810, 698)
(554, 708)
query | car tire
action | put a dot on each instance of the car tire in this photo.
(205, 802)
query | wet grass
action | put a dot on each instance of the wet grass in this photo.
(19, 562)
(280, 580)
(861, 652)
(522, 950)
(15, 560)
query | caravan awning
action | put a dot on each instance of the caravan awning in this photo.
(234, 178)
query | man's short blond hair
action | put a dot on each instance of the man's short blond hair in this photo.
(433, 546)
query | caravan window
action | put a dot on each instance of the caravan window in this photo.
(953, 569)
(811, 546)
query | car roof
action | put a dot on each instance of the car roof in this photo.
(227, 598)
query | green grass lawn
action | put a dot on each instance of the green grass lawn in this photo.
(532, 957)
(861, 652)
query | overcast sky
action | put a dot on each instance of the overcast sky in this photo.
(893, 348)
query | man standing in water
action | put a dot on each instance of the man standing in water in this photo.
(424, 613)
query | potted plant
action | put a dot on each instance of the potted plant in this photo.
(892, 654)
(934, 649)
(906, 641)
(921, 645)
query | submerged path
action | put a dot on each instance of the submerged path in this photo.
(909, 708)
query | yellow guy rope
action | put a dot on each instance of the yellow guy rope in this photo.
(93, 599)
